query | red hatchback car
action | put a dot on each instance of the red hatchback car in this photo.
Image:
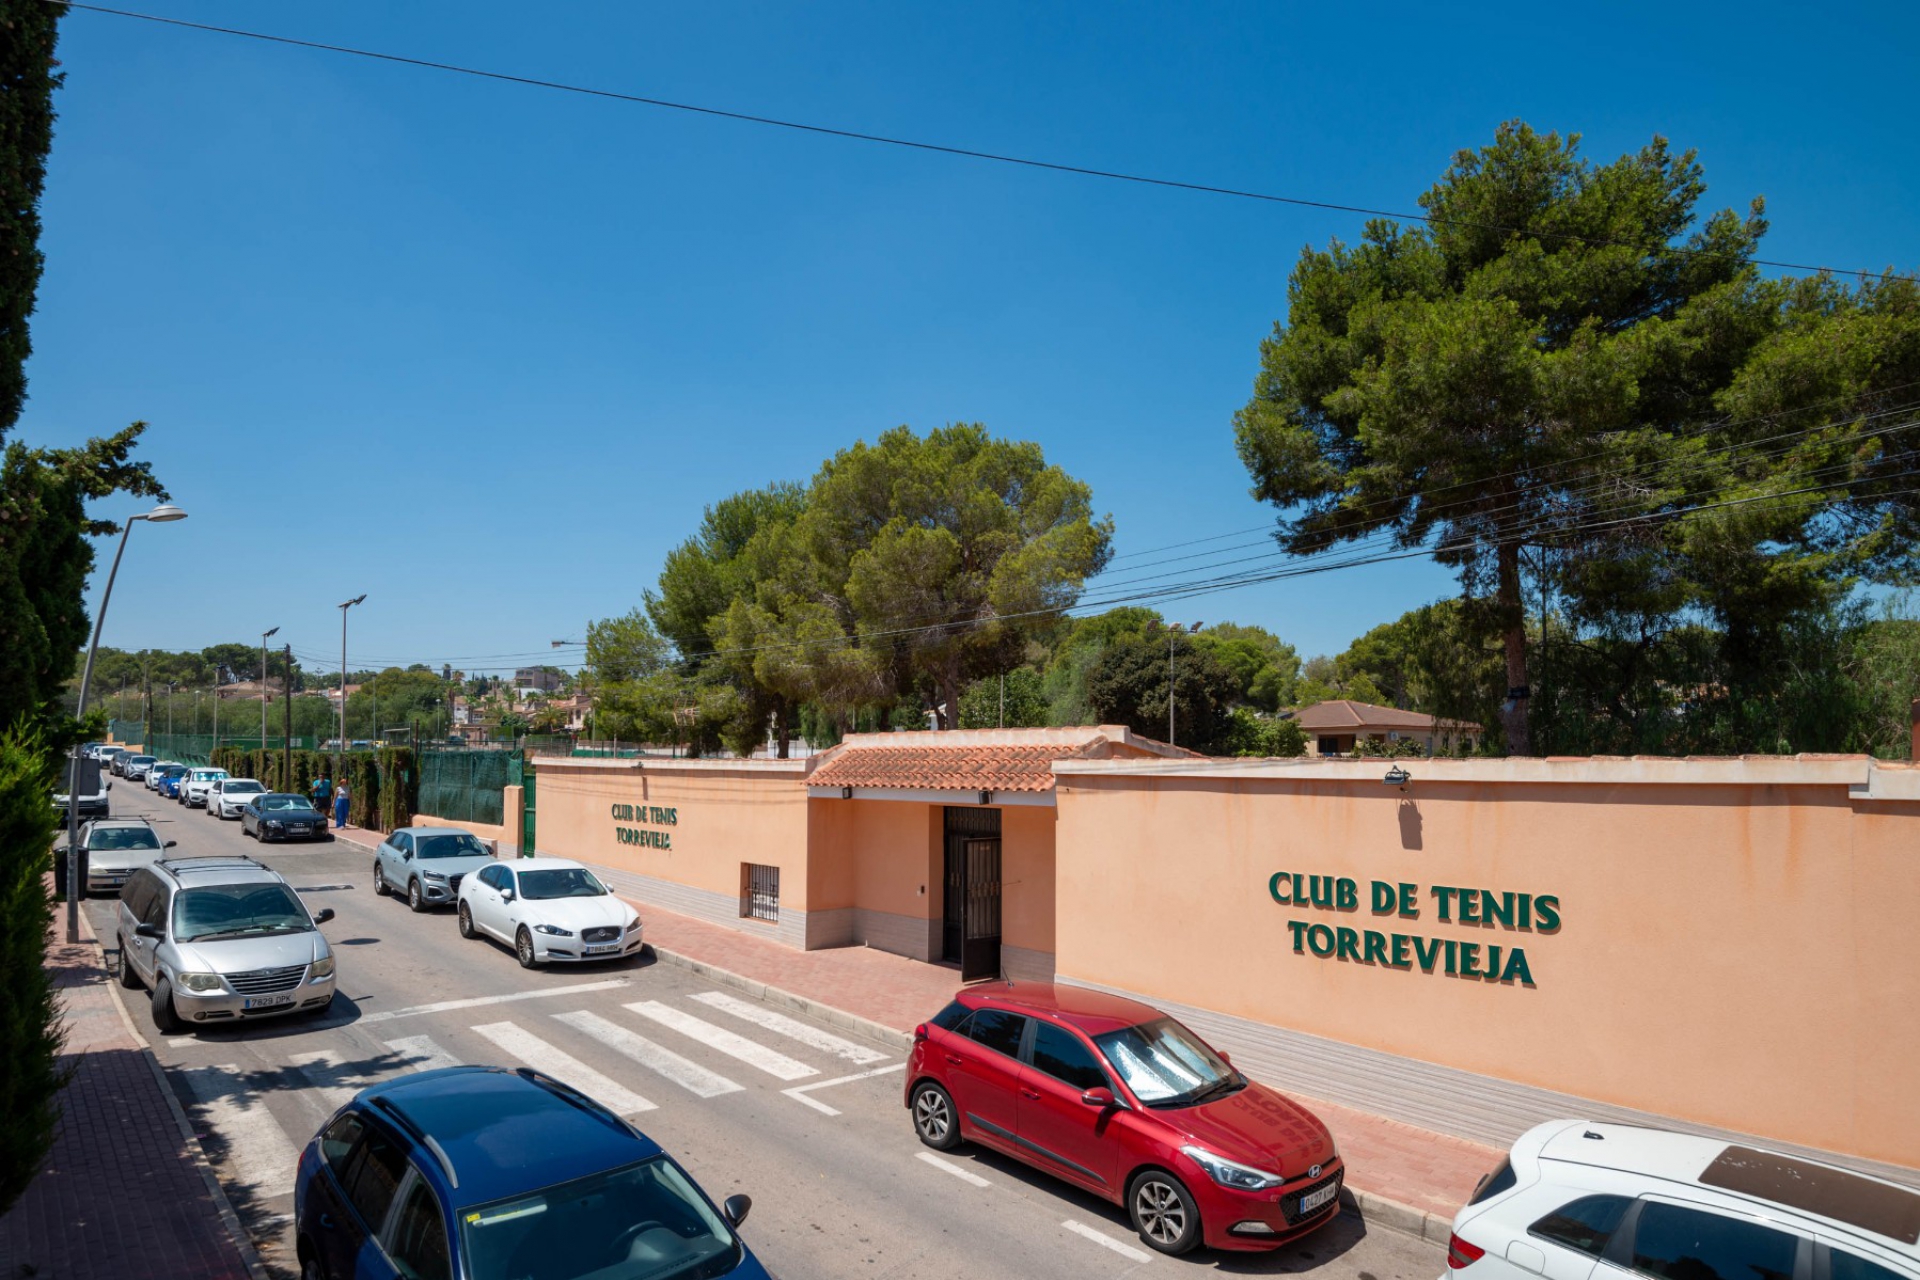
(1120, 1099)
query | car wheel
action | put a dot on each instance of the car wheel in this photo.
(415, 900)
(165, 1019)
(1163, 1212)
(523, 947)
(466, 922)
(310, 1268)
(128, 978)
(379, 881)
(933, 1117)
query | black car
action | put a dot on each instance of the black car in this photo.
(277, 815)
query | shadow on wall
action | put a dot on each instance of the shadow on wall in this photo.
(1409, 825)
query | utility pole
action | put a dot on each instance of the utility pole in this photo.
(169, 709)
(264, 637)
(216, 709)
(341, 746)
(286, 724)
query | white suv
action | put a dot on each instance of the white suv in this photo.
(1582, 1201)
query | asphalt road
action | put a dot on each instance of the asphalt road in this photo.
(804, 1118)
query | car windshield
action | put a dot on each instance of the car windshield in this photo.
(140, 760)
(242, 788)
(207, 775)
(277, 803)
(236, 911)
(643, 1222)
(172, 768)
(457, 845)
(569, 882)
(1167, 1065)
(123, 838)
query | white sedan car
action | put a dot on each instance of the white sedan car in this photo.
(196, 785)
(547, 909)
(227, 797)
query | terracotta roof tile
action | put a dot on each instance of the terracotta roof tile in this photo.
(974, 760)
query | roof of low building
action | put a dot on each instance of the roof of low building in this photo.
(1337, 714)
(1009, 760)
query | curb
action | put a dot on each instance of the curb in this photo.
(899, 1041)
(242, 1242)
(1379, 1211)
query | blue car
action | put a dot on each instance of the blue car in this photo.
(169, 784)
(483, 1173)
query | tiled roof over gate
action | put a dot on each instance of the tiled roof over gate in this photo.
(977, 759)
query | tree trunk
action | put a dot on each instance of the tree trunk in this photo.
(1513, 711)
(781, 727)
(947, 691)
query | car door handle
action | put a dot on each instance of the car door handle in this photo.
(1031, 1095)
(955, 1059)
(326, 1222)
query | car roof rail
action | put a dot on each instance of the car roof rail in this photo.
(194, 861)
(389, 1109)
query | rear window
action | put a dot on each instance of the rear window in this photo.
(457, 845)
(1846, 1266)
(1585, 1225)
(950, 1017)
(1501, 1179)
(1873, 1206)
(1690, 1244)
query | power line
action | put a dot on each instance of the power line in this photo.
(970, 153)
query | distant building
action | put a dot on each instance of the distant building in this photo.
(1336, 726)
(536, 678)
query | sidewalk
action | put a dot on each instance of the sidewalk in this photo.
(125, 1192)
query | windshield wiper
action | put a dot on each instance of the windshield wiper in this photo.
(1208, 1092)
(249, 931)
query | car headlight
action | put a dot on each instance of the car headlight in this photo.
(1229, 1174)
(553, 930)
(275, 823)
(433, 876)
(321, 968)
(200, 981)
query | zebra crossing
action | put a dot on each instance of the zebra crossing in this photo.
(258, 1151)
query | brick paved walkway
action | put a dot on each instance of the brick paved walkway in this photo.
(123, 1193)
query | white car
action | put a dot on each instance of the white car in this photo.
(228, 796)
(193, 792)
(1576, 1200)
(152, 776)
(547, 909)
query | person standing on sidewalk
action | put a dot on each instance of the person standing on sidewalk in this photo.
(341, 797)
(323, 792)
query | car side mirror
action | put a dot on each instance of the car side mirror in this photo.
(152, 931)
(506, 895)
(735, 1209)
(169, 844)
(407, 856)
(1220, 1054)
(1098, 1097)
(326, 914)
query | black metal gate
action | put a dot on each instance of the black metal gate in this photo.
(971, 911)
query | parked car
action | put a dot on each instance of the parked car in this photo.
(133, 768)
(106, 755)
(226, 797)
(1117, 1098)
(547, 909)
(170, 785)
(278, 815)
(484, 1172)
(193, 791)
(221, 939)
(162, 770)
(110, 850)
(1572, 1192)
(94, 785)
(427, 864)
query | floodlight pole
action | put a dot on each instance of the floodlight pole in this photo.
(264, 637)
(340, 747)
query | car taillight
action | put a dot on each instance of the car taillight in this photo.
(1462, 1253)
(920, 1033)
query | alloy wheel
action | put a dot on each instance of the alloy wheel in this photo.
(413, 896)
(1160, 1212)
(466, 921)
(523, 947)
(932, 1116)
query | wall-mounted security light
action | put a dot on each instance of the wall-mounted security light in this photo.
(1397, 777)
(986, 797)
(846, 793)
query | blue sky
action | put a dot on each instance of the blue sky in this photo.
(484, 352)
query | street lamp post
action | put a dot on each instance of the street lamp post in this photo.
(264, 637)
(340, 747)
(159, 515)
(586, 720)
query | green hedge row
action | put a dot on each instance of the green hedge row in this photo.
(384, 785)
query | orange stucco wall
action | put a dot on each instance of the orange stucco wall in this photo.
(1027, 877)
(1738, 955)
(723, 817)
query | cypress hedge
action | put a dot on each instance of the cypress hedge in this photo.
(30, 1028)
(383, 785)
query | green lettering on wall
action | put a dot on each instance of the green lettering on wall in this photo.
(1445, 896)
(1346, 895)
(1469, 904)
(1427, 952)
(1492, 972)
(1375, 950)
(1349, 945)
(1400, 960)
(1517, 964)
(1496, 913)
(1409, 899)
(1299, 930)
(1315, 936)
(1451, 957)
(1469, 959)
(1383, 897)
(1274, 885)
(1320, 889)
(1547, 906)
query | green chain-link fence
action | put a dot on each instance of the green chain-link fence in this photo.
(465, 785)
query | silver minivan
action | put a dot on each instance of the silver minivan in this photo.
(221, 939)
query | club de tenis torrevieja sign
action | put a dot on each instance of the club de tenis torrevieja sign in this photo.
(1522, 913)
(650, 814)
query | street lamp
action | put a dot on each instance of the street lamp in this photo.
(586, 720)
(165, 513)
(341, 746)
(1172, 631)
(264, 637)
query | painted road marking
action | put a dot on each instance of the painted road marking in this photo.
(954, 1169)
(1124, 1250)
(422, 1053)
(329, 1077)
(684, 1072)
(477, 1001)
(792, 1028)
(778, 1065)
(258, 1156)
(563, 1066)
(800, 1093)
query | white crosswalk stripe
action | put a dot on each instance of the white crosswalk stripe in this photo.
(328, 1075)
(563, 1066)
(258, 1154)
(792, 1028)
(752, 1052)
(422, 1054)
(684, 1072)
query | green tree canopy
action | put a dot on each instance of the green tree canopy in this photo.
(1128, 685)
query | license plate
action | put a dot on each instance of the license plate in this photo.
(299, 831)
(1310, 1202)
(267, 1002)
(116, 879)
(602, 950)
